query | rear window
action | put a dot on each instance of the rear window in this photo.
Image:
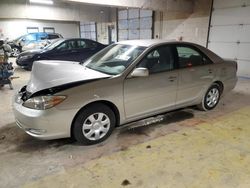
(92, 44)
(53, 36)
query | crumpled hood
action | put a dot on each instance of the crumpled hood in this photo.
(47, 74)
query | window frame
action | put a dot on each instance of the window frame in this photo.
(193, 48)
(172, 49)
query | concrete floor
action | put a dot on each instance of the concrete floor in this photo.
(189, 148)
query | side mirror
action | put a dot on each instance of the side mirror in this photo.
(139, 72)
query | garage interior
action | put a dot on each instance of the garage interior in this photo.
(187, 148)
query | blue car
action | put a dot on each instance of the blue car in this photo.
(24, 40)
(76, 49)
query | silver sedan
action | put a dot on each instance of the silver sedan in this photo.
(124, 82)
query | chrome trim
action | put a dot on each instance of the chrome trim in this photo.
(19, 124)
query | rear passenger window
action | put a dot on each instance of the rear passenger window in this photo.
(81, 44)
(189, 57)
(72, 44)
(92, 44)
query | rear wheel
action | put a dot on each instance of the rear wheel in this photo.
(93, 124)
(211, 98)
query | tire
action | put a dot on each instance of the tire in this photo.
(15, 51)
(211, 98)
(28, 68)
(93, 124)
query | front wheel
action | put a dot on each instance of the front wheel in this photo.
(93, 124)
(15, 51)
(211, 98)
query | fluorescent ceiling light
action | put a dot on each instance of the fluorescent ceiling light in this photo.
(47, 2)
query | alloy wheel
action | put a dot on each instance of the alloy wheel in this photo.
(15, 52)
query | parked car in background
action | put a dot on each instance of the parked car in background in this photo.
(37, 44)
(31, 41)
(76, 49)
(124, 82)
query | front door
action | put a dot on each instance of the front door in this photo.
(148, 95)
(65, 51)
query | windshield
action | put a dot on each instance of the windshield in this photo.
(114, 59)
(53, 44)
(17, 39)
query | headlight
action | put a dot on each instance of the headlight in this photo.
(43, 102)
(26, 56)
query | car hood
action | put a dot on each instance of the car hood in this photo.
(32, 52)
(47, 74)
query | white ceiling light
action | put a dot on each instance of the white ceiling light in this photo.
(47, 2)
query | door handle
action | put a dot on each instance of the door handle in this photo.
(172, 78)
(210, 71)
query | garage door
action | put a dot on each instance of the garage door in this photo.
(229, 33)
(135, 24)
(88, 30)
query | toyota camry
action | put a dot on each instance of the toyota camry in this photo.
(124, 82)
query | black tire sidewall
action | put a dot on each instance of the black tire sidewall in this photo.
(86, 112)
(206, 107)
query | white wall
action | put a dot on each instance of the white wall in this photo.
(59, 11)
(102, 28)
(191, 27)
(13, 28)
(17, 15)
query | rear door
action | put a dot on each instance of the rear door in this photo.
(84, 50)
(147, 95)
(196, 73)
(87, 48)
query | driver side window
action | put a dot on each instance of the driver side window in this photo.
(68, 45)
(160, 59)
(62, 46)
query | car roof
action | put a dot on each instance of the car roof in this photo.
(79, 39)
(146, 43)
(154, 42)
